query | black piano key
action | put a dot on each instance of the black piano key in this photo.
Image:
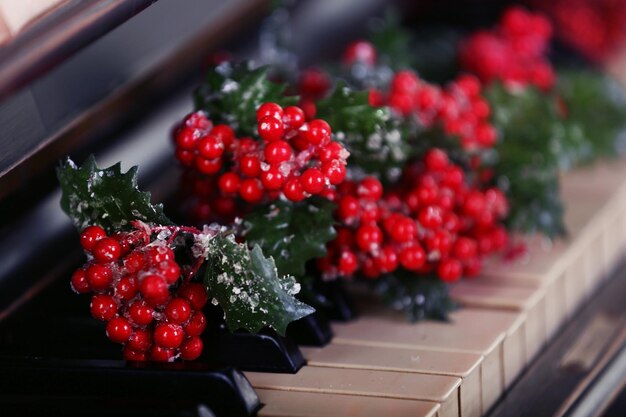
(312, 330)
(223, 391)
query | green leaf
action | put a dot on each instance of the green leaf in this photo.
(418, 296)
(375, 139)
(246, 285)
(537, 143)
(597, 105)
(105, 197)
(291, 233)
(231, 94)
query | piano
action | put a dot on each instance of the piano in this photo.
(540, 335)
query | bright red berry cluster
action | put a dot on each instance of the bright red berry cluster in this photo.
(458, 108)
(295, 159)
(137, 291)
(431, 222)
(514, 51)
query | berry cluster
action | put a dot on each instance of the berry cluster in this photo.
(432, 222)
(596, 28)
(458, 108)
(137, 291)
(295, 159)
(514, 51)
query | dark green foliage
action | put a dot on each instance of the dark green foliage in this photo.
(105, 197)
(597, 105)
(246, 285)
(231, 94)
(420, 297)
(292, 233)
(375, 139)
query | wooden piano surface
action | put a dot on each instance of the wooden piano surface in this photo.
(381, 365)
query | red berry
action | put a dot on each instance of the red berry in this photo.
(198, 120)
(107, 250)
(403, 230)
(312, 181)
(194, 293)
(133, 355)
(271, 129)
(272, 179)
(436, 160)
(103, 307)
(250, 166)
(348, 263)
(368, 237)
(119, 330)
(79, 283)
(412, 257)
(140, 340)
(317, 132)
(229, 183)
(170, 271)
(335, 171)
(126, 288)
(277, 152)
(99, 277)
(196, 324)
(154, 289)
(185, 157)
(191, 348)
(370, 188)
(225, 134)
(330, 152)
(186, 139)
(178, 311)
(168, 336)
(348, 208)
(431, 217)
(210, 147)
(360, 52)
(405, 81)
(159, 354)
(464, 248)
(90, 236)
(269, 110)
(387, 259)
(449, 270)
(293, 117)
(208, 166)
(293, 190)
(141, 313)
(251, 190)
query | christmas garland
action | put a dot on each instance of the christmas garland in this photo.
(372, 173)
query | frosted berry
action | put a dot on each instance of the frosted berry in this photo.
(103, 307)
(168, 336)
(191, 348)
(90, 235)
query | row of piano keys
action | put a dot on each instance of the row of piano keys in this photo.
(381, 365)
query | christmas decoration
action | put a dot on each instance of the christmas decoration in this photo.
(150, 278)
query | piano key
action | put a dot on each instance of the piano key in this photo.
(311, 404)
(470, 330)
(463, 365)
(531, 301)
(401, 385)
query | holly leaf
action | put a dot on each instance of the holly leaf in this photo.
(105, 197)
(292, 233)
(248, 288)
(231, 94)
(375, 139)
(418, 296)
